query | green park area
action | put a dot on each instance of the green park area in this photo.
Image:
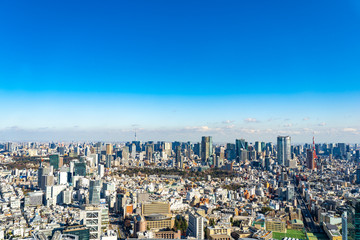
(291, 233)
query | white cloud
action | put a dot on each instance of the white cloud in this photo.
(227, 121)
(349, 129)
(199, 129)
(306, 118)
(251, 120)
(322, 124)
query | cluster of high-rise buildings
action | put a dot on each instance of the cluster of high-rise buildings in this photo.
(84, 191)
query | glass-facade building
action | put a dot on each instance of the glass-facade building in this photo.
(283, 149)
(353, 220)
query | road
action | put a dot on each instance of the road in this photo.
(117, 224)
(308, 220)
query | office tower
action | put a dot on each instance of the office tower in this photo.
(230, 151)
(244, 155)
(257, 147)
(63, 177)
(310, 160)
(120, 203)
(133, 150)
(219, 162)
(358, 175)
(101, 170)
(87, 151)
(196, 226)
(357, 155)
(149, 152)
(108, 161)
(206, 149)
(109, 149)
(91, 218)
(219, 156)
(94, 192)
(240, 144)
(61, 151)
(66, 196)
(167, 148)
(94, 159)
(341, 149)
(344, 220)
(283, 150)
(290, 193)
(56, 161)
(197, 149)
(9, 147)
(125, 153)
(251, 153)
(47, 181)
(178, 158)
(267, 163)
(263, 146)
(43, 171)
(353, 219)
(79, 169)
(40, 174)
(138, 145)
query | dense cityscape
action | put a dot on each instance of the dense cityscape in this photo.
(179, 119)
(179, 190)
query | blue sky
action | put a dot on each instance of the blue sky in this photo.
(177, 70)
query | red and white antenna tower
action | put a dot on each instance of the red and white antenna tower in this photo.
(315, 157)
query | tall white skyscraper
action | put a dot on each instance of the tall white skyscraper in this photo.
(283, 150)
(90, 216)
(344, 226)
(196, 226)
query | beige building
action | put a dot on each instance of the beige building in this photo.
(220, 237)
(218, 230)
(275, 225)
(168, 234)
(155, 208)
(109, 149)
(158, 221)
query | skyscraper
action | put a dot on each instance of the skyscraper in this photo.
(108, 161)
(196, 226)
(91, 218)
(178, 159)
(257, 147)
(206, 150)
(310, 160)
(240, 144)
(94, 192)
(358, 175)
(230, 151)
(109, 149)
(283, 149)
(344, 220)
(353, 220)
(149, 152)
(56, 161)
(267, 163)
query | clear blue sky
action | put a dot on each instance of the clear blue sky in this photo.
(180, 69)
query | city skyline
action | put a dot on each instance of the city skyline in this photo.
(180, 70)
